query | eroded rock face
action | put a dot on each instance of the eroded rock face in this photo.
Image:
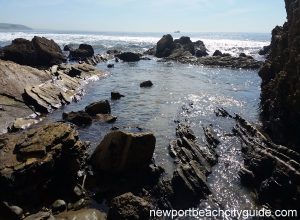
(194, 163)
(39, 52)
(273, 170)
(129, 206)
(122, 151)
(34, 158)
(280, 97)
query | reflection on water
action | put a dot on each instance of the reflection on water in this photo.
(180, 92)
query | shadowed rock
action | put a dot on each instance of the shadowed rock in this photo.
(101, 107)
(122, 151)
(78, 118)
(128, 57)
(84, 51)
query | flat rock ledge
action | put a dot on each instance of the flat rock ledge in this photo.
(25, 90)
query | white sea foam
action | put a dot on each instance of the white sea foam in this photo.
(123, 41)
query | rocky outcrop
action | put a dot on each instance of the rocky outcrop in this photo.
(83, 52)
(122, 151)
(226, 61)
(129, 206)
(83, 214)
(200, 49)
(280, 96)
(129, 57)
(40, 52)
(62, 89)
(34, 160)
(272, 170)
(194, 163)
(164, 46)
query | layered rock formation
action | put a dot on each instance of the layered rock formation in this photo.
(35, 159)
(280, 97)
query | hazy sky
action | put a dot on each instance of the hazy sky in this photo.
(146, 15)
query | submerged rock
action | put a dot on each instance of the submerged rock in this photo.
(110, 65)
(145, 84)
(38, 52)
(108, 118)
(122, 151)
(129, 206)
(79, 118)
(116, 95)
(129, 57)
(101, 107)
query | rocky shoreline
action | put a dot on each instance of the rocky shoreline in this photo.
(45, 172)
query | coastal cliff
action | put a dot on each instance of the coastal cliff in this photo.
(280, 97)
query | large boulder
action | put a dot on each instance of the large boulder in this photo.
(32, 159)
(122, 151)
(128, 57)
(129, 206)
(38, 52)
(101, 107)
(48, 52)
(84, 51)
(164, 46)
(83, 214)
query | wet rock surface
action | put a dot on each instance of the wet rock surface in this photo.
(116, 95)
(34, 162)
(101, 107)
(79, 118)
(129, 57)
(82, 52)
(194, 163)
(280, 97)
(272, 170)
(39, 52)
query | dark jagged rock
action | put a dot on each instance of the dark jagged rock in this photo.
(34, 160)
(273, 170)
(116, 95)
(38, 52)
(280, 97)
(194, 164)
(10, 212)
(185, 44)
(129, 57)
(69, 47)
(164, 46)
(83, 52)
(110, 65)
(122, 151)
(200, 49)
(217, 53)
(78, 118)
(101, 107)
(129, 206)
(146, 84)
(265, 50)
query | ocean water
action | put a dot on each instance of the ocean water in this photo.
(180, 92)
(233, 43)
